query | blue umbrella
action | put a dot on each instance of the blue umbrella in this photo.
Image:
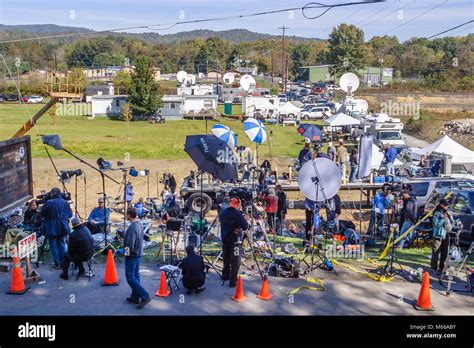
(225, 134)
(311, 131)
(255, 130)
(212, 155)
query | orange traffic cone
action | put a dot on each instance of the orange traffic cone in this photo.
(239, 291)
(265, 292)
(424, 301)
(17, 286)
(110, 278)
(163, 290)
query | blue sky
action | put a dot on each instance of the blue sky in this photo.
(374, 19)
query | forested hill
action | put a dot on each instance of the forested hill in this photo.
(233, 35)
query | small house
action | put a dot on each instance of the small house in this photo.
(177, 107)
(108, 105)
(94, 90)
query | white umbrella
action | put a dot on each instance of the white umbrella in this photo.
(225, 134)
(255, 130)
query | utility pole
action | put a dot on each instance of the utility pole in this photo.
(273, 63)
(381, 71)
(283, 60)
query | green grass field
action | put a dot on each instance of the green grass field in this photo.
(108, 138)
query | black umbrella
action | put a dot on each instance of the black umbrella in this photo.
(212, 156)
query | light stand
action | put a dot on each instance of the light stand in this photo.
(104, 196)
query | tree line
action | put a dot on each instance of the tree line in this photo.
(443, 64)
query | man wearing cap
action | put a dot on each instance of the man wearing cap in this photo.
(305, 154)
(193, 269)
(233, 223)
(95, 221)
(409, 216)
(442, 224)
(80, 248)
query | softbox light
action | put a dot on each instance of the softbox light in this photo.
(53, 140)
(365, 156)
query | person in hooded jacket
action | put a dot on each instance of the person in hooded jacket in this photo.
(80, 248)
(56, 213)
(233, 222)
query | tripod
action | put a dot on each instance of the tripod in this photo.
(388, 270)
(450, 272)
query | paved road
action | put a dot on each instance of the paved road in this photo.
(344, 295)
(414, 142)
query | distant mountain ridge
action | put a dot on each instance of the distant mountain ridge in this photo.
(232, 35)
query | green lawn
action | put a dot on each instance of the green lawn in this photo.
(108, 138)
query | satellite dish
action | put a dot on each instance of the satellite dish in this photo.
(319, 179)
(247, 83)
(228, 78)
(349, 82)
(181, 76)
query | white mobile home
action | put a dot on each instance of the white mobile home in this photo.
(108, 105)
(176, 107)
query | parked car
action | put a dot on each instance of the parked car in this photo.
(2, 98)
(317, 112)
(304, 92)
(423, 188)
(461, 206)
(12, 97)
(35, 99)
(317, 90)
(25, 99)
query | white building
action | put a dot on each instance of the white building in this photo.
(108, 105)
(94, 90)
(177, 107)
(267, 107)
(196, 90)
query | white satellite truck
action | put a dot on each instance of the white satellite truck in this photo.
(384, 129)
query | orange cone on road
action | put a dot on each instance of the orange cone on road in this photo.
(265, 292)
(17, 286)
(110, 278)
(424, 302)
(163, 291)
(239, 291)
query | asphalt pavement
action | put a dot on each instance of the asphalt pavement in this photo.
(344, 294)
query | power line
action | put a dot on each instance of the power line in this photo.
(420, 15)
(396, 11)
(374, 14)
(311, 5)
(450, 29)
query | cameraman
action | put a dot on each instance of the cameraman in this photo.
(233, 223)
(56, 213)
(442, 225)
(97, 222)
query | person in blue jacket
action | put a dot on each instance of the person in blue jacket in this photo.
(380, 202)
(390, 155)
(95, 221)
(56, 213)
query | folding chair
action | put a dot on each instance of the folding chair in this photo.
(173, 276)
(90, 272)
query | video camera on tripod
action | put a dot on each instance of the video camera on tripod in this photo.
(44, 197)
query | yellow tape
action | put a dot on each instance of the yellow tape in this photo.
(307, 287)
(427, 215)
(372, 276)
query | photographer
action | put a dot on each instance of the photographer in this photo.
(129, 194)
(171, 183)
(56, 213)
(390, 155)
(233, 223)
(409, 215)
(380, 202)
(442, 225)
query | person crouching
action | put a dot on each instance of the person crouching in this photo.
(80, 248)
(193, 269)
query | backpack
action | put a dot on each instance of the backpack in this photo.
(285, 267)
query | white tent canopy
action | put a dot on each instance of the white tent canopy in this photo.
(289, 108)
(341, 120)
(447, 146)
